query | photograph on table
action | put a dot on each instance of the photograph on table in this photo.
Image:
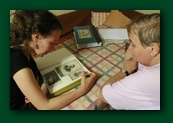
(51, 77)
(68, 68)
(76, 74)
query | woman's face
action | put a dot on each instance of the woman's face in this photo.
(140, 53)
(47, 44)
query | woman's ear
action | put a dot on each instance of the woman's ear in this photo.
(155, 49)
(36, 37)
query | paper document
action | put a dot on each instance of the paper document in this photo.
(113, 33)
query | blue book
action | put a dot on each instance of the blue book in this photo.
(86, 37)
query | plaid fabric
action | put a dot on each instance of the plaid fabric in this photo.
(98, 18)
(105, 61)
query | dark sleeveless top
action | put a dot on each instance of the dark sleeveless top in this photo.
(19, 61)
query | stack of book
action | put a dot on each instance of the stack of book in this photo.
(86, 37)
(89, 36)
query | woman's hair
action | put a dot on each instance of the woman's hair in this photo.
(148, 28)
(27, 22)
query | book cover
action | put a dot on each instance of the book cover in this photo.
(119, 35)
(86, 36)
(61, 71)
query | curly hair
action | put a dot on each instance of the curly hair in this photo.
(148, 27)
(27, 22)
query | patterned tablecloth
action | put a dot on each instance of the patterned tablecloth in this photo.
(105, 61)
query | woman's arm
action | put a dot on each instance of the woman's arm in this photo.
(30, 88)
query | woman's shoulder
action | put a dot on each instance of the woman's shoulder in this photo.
(17, 61)
(15, 50)
(17, 53)
(17, 56)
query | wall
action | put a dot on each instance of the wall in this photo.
(56, 12)
(148, 11)
(59, 12)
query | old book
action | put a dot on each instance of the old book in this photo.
(118, 35)
(61, 71)
(86, 37)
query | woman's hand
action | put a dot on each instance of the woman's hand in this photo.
(87, 82)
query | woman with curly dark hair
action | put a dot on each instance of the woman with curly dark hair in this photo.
(36, 32)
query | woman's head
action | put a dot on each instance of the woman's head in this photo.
(144, 35)
(33, 27)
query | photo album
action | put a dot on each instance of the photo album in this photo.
(61, 71)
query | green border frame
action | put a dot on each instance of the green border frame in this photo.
(165, 114)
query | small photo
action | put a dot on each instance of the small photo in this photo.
(67, 68)
(76, 74)
(51, 77)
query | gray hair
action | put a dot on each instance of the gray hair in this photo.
(148, 28)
